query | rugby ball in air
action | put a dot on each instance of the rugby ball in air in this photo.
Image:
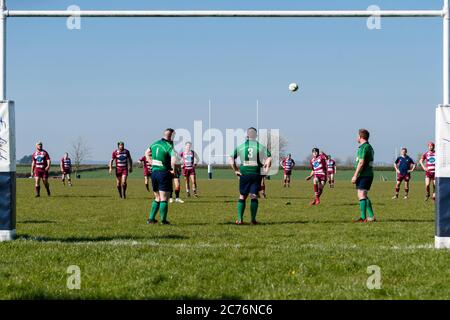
(293, 87)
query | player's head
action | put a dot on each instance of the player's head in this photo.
(252, 133)
(404, 151)
(315, 152)
(169, 134)
(289, 156)
(431, 146)
(188, 146)
(39, 145)
(66, 155)
(363, 135)
(121, 145)
(329, 156)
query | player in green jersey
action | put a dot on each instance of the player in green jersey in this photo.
(363, 176)
(256, 161)
(163, 169)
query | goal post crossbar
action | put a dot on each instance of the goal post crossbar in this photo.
(227, 14)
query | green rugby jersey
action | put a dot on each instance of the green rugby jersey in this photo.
(366, 153)
(162, 152)
(252, 155)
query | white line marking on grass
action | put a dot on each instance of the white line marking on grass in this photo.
(199, 245)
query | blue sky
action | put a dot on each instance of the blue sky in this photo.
(128, 79)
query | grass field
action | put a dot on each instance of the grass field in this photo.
(297, 252)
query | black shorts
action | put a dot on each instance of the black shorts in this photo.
(162, 181)
(250, 184)
(364, 183)
(177, 173)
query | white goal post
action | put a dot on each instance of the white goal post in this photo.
(7, 167)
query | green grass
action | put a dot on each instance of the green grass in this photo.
(297, 252)
(228, 174)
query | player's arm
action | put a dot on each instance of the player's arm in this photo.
(293, 164)
(422, 164)
(130, 161)
(413, 167)
(232, 161)
(110, 165)
(335, 168)
(282, 163)
(267, 164)
(49, 163)
(61, 166)
(173, 163)
(196, 159)
(396, 167)
(33, 166)
(358, 170)
(310, 175)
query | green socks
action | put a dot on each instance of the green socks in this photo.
(241, 209)
(163, 207)
(369, 208)
(363, 208)
(154, 210)
(366, 205)
(254, 208)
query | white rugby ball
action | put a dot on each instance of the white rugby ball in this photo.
(293, 87)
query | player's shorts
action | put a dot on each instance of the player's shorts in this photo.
(250, 184)
(330, 173)
(401, 177)
(162, 181)
(188, 172)
(67, 171)
(43, 174)
(287, 172)
(120, 172)
(430, 175)
(177, 174)
(364, 183)
(147, 173)
(321, 177)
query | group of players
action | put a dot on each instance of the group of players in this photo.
(164, 167)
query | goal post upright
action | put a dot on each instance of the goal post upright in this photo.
(442, 235)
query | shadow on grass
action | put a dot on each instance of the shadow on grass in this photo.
(80, 196)
(100, 238)
(126, 299)
(356, 204)
(36, 221)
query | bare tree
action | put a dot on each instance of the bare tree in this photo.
(80, 151)
(280, 140)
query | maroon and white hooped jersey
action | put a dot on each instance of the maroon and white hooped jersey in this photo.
(121, 157)
(288, 164)
(146, 163)
(430, 160)
(66, 163)
(187, 159)
(331, 164)
(319, 166)
(41, 159)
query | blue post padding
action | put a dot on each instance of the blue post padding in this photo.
(443, 207)
(7, 200)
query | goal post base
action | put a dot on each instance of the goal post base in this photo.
(442, 242)
(7, 235)
(7, 172)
